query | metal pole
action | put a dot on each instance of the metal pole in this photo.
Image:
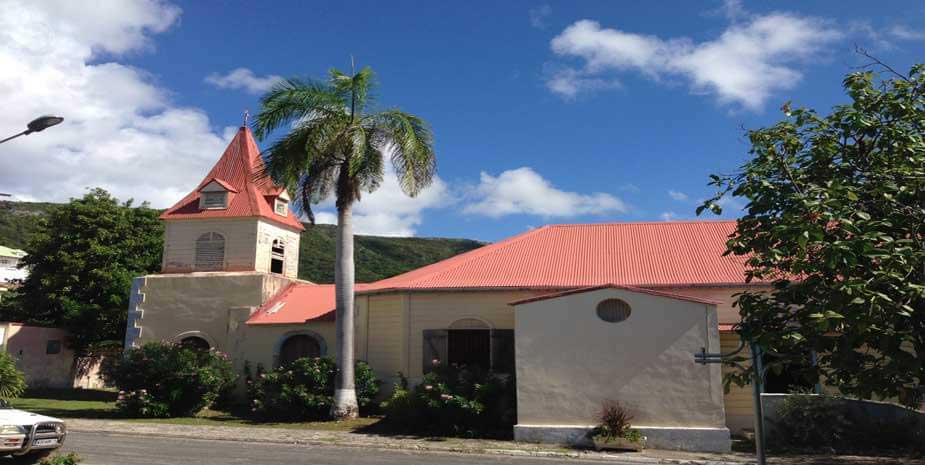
(757, 388)
(13, 137)
(815, 361)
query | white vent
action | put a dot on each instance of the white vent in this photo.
(281, 207)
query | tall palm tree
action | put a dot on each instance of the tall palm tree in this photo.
(336, 145)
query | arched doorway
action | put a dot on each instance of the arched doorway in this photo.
(195, 343)
(299, 346)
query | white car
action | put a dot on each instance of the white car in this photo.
(24, 433)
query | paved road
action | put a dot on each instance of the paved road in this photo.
(117, 449)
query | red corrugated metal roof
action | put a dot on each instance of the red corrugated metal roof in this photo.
(569, 256)
(218, 181)
(240, 167)
(573, 258)
(298, 303)
(670, 295)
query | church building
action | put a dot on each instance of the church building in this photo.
(578, 313)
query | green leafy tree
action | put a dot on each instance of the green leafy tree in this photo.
(336, 146)
(81, 264)
(12, 381)
(835, 220)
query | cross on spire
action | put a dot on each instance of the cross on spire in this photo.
(246, 115)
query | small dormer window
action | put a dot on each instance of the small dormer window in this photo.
(214, 200)
(281, 207)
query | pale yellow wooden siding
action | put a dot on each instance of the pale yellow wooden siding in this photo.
(240, 243)
(738, 401)
(384, 340)
(723, 295)
(438, 310)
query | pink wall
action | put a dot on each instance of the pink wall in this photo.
(30, 344)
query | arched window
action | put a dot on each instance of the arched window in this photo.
(195, 343)
(277, 256)
(298, 346)
(210, 251)
(470, 342)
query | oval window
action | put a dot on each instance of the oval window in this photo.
(613, 310)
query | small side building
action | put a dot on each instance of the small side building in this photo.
(577, 349)
(45, 360)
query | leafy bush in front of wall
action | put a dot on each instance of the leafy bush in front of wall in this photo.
(304, 390)
(454, 400)
(12, 381)
(161, 379)
(810, 422)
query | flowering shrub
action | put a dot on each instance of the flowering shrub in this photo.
(58, 459)
(162, 379)
(140, 404)
(304, 390)
(454, 400)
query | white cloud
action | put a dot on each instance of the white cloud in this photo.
(569, 82)
(243, 78)
(523, 191)
(120, 132)
(905, 33)
(388, 211)
(668, 216)
(538, 16)
(733, 10)
(679, 196)
(747, 63)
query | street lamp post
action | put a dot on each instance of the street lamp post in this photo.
(37, 125)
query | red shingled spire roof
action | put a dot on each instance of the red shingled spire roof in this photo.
(249, 194)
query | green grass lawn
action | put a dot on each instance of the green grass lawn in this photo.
(102, 405)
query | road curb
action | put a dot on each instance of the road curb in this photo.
(151, 429)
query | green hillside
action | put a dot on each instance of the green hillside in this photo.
(376, 257)
(19, 220)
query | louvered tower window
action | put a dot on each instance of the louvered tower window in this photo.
(210, 251)
(277, 256)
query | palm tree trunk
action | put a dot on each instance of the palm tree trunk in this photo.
(345, 398)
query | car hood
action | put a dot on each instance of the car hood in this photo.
(12, 416)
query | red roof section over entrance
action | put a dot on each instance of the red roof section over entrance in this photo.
(250, 194)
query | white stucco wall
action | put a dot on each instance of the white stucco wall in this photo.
(569, 361)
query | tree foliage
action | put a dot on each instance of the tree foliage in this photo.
(81, 264)
(835, 220)
(12, 381)
(337, 141)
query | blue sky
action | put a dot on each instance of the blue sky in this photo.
(543, 112)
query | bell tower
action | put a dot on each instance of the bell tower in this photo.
(236, 219)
